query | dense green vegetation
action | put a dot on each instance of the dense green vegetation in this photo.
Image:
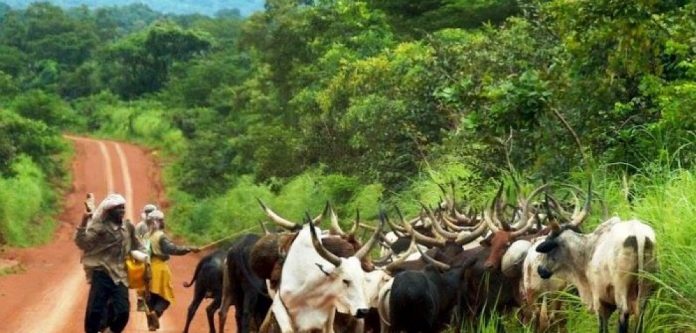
(32, 161)
(369, 103)
(206, 7)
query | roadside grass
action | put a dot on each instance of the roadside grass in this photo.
(27, 205)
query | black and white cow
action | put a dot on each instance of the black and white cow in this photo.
(606, 266)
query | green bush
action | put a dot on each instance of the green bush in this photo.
(27, 202)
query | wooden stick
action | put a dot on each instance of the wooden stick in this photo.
(209, 245)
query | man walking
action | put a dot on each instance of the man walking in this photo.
(106, 241)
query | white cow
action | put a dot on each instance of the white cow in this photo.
(606, 266)
(521, 258)
(315, 282)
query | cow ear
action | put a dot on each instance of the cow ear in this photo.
(324, 270)
(546, 246)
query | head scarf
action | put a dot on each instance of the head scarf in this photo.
(158, 217)
(149, 208)
(111, 201)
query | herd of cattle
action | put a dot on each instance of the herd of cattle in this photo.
(441, 269)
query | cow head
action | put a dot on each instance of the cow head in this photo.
(560, 246)
(374, 281)
(557, 250)
(346, 276)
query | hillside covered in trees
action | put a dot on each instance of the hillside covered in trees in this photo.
(179, 7)
(365, 103)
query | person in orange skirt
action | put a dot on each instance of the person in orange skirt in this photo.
(161, 288)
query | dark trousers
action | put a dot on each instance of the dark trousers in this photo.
(157, 303)
(107, 304)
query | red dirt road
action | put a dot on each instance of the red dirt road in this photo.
(51, 294)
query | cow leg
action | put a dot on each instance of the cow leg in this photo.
(226, 296)
(240, 314)
(603, 313)
(281, 315)
(641, 313)
(210, 311)
(267, 322)
(328, 327)
(195, 303)
(623, 321)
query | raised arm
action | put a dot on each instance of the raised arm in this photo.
(86, 237)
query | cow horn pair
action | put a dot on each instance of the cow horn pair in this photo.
(422, 239)
(528, 221)
(285, 223)
(491, 217)
(492, 221)
(461, 238)
(334, 259)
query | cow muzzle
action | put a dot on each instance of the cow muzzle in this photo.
(544, 273)
(362, 313)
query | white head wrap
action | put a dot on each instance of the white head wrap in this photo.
(156, 215)
(148, 209)
(111, 201)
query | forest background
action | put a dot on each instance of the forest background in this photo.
(366, 104)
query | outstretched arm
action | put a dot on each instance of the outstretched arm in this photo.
(168, 247)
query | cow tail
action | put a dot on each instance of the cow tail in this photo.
(641, 266)
(195, 275)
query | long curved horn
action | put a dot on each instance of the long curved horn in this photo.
(558, 208)
(451, 224)
(448, 202)
(365, 249)
(437, 226)
(440, 265)
(263, 227)
(396, 227)
(385, 259)
(335, 228)
(356, 224)
(529, 222)
(403, 255)
(367, 226)
(491, 210)
(323, 252)
(580, 216)
(454, 197)
(496, 207)
(423, 239)
(317, 220)
(464, 238)
(276, 218)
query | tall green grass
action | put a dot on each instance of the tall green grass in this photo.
(668, 204)
(27, 203)
(206, 219)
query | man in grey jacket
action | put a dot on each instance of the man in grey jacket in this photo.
(106, 239)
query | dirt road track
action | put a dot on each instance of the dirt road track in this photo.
(51, 294)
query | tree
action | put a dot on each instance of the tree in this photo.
(140, 63)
